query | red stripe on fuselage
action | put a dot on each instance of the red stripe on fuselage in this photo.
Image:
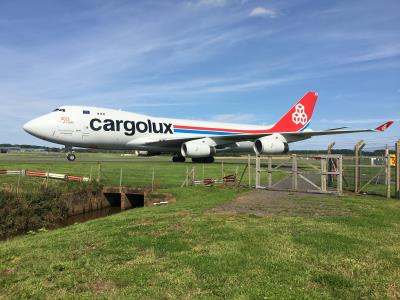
(223, 129)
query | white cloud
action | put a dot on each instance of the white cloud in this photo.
(263, 12)
(387, 51)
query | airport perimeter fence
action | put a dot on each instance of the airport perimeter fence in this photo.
(164, 175)
(372, 170)
(369, 169)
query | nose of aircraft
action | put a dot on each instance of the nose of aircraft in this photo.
(31, 126)
(38, 127)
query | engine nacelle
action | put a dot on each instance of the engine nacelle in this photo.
(195, 149)
(145, 153)
(273, 144)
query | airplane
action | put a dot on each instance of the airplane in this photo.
(103, 128)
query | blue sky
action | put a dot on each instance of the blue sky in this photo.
(236, 61)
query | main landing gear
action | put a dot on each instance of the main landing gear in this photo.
(178, 158)
(70, 154)
(199, 160)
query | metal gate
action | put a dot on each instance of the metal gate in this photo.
(314, 174)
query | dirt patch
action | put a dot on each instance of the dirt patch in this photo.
(102, 286)
(271, 203)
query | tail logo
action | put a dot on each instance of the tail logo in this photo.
(299, 116)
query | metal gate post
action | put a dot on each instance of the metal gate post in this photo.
(258, 171)
(330, 164)
(323, 174)
(269, 171)
(357, 153)
(340, 175)
(294, 172)
(398, 169)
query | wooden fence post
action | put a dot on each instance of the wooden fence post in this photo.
(357, 160)
(398, 169)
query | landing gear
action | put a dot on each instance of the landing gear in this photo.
(70, 153)
(71, 156)
(203, 160)
(177, 158)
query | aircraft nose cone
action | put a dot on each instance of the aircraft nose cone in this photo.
(38, 127)
(31, 126)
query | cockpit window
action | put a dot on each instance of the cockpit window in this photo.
(60, 109)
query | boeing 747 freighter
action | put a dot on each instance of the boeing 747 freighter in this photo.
(102, 128)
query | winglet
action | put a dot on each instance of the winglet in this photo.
(384, 126)
(299, 116)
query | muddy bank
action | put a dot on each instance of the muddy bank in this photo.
(49, 208)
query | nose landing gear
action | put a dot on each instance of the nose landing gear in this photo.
(71, 156)
(70, 153)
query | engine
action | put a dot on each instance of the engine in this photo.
(274, 144)
(195, 149)
(145, 153)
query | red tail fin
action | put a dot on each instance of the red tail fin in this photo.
(298, 117)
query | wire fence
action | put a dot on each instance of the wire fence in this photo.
(371, 170)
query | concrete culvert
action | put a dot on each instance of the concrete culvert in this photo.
(113, 198)
(136, 200)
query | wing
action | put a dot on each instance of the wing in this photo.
(290, 136)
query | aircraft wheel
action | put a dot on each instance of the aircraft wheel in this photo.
(71, 156)
(178, 159)
(209, 160)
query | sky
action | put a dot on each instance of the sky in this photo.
(225, 60)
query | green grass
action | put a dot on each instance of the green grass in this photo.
(136, 171)
(185, 250)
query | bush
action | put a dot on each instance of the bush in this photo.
(31, 210)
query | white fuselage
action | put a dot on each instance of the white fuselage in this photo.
(100, 128)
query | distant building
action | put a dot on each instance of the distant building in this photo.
(9, 149)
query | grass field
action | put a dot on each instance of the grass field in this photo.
(192, 249)
(136, 171)
(187, 251)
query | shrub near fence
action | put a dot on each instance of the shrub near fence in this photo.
(30, 210)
